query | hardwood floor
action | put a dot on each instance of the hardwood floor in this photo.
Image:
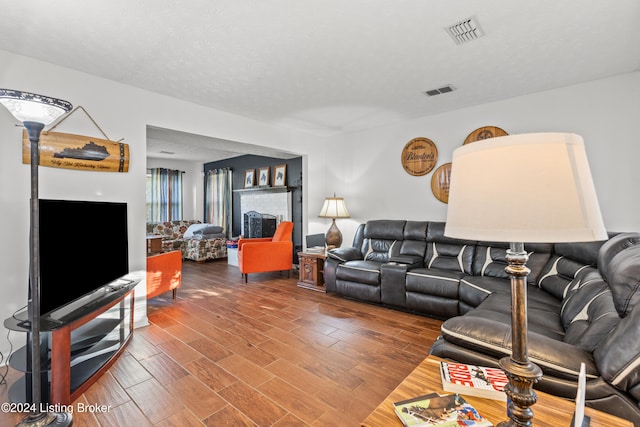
(266, 353)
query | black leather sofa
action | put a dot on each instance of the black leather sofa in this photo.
(581, 299)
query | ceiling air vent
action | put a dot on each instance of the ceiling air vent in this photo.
(167, 152)
(440, 90)
(465, 31)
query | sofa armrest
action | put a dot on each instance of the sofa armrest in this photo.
(345, 254)
(411, 261)
(392, 283)
(267, 249)
(242, 241)
(491, 337)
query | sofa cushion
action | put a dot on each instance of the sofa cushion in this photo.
(379, 250)
(613, 247)
(624, 279)
(490, 259)
(446, 253)
(493, 338)
(414, 239)
(359, 271)
(474, 289)
(543, 312)
(381, 239)
(440, 283)
(596, 319)
(618, 357)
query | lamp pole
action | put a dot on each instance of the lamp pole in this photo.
(35, 111)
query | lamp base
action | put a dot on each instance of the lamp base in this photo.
(333, 237)
(41, 419)
(519, 391)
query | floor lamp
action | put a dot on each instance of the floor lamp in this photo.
(518, 189)
(35, 112)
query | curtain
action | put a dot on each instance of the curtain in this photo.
(165, 195)
(218, 198)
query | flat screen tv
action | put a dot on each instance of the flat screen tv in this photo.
(83, 246)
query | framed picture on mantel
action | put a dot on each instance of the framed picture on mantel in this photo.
(249, 178)
(263, 176)
(280, 175)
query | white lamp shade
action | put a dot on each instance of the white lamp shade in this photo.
(524, 188)
(29, 107)
(334, 207)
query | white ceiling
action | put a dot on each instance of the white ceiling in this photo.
(171, 144)
(329, 66)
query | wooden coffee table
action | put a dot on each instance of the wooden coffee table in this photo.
(549, 411)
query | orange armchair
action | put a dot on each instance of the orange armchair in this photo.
(164, 273)
(267, 254)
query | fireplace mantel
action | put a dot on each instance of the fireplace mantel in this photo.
(279, 189)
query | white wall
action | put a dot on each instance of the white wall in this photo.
(192, 185)
(122, 112)
(605, 112)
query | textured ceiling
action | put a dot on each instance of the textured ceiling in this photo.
(329, 66)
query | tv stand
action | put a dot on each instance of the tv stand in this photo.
(79, 342)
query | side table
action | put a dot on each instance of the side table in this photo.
(154, 244)
(311, 270)
(549, 411)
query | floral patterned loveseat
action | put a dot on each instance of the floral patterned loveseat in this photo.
(200, 247)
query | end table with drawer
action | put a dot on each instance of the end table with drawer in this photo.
(311, 270)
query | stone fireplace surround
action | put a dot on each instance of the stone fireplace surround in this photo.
(274, 201)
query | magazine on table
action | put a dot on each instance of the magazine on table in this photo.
(474, 380)
(441, 411)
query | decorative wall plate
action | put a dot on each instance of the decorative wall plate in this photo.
(485, 132)
(440, 181)
(419, 156)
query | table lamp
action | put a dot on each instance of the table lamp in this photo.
(334, 207)
(523, 188)
(35, 112)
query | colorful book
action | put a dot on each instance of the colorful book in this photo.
(474, 380)
(440, 411)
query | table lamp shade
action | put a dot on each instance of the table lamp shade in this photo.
(334, 207)
(30, 107)
(524, 188)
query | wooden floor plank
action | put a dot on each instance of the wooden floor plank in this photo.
(265, 353)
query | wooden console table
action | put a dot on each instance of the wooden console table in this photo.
(312, 270)
(549, 411)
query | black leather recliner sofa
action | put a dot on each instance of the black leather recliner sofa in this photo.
(581, 299)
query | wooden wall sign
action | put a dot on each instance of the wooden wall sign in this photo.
(68, 151)
(440, 181)
(485, 132)
(419, 156)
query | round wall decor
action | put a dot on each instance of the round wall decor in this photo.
(440, 181)
(419, 156)
(485, 132)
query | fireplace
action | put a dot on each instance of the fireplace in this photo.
(273, 202)
(259, 225)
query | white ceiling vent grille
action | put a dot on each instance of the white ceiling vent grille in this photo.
(465, 31)
(440, 90)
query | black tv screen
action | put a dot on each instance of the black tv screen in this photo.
(83, 246)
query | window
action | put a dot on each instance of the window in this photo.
(164, 195)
